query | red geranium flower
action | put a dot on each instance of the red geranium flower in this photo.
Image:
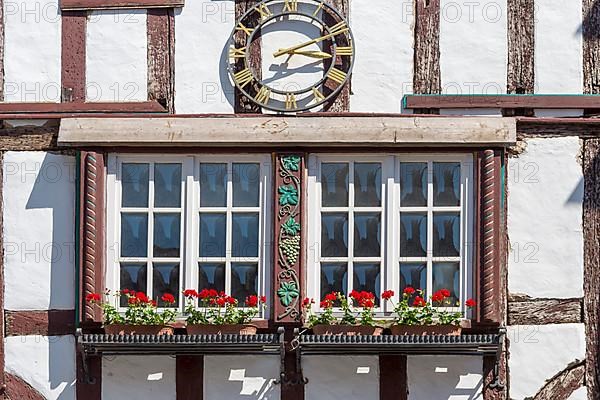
(437, 297)
(213, 293)
(190, 293)
(409, 290)
(367, 303)
(263, 299)
(125, 291)
(93, 297)
(388, 294)
(221, 301)
(252, 301)
(470, 303)
(141, 297)
(445, 292)
(307, 301)
(168, 298)
(132, 300)
(331, 296)
(326, 304)
(419, 302)
(231, 300)
(153, 303)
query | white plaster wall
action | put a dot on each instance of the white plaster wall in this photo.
(383, 70)
(116, 56)
(39, 226)
(47, 363)
(545, 193)
(138, 378)
(241, 377)
(32, 51)
(558, 46)
(202, 29)
(473, 46)
(579, 394)
(341, 377)
(537, 353)
(445, 377)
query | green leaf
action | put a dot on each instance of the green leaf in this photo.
(288, 195)
(291, 227)
(291, 162)
(287, 292)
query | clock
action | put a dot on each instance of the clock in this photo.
(307, 54)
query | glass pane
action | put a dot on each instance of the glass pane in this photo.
(334, 235)
(246, 185)
(366, 277)
(334, 185)
(367, 234)
(244, 281)
(167, 185)
(413, 184)
(134, 184)
(133, 277)
(446, 234)
(446, 275)
(212, 235)
(213, 185)
(211, 276)
(165, 279)
(367, 184)
(167, 235)
(413, 275)
(334, 278)
(134, 235)
(446, 184)
(413, 234)
(244, 235)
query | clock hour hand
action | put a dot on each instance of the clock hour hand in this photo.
(289, 50)
(310, 53)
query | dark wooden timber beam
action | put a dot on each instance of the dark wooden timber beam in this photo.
(341, 103)
(242, 104)
(80, 107)
(591, 47)
(117, 4)
(521, 47)
(427, 76)
(393, 377)
(501, 101)
(189, 377)
(45, 323)
(562, 385)
(73, 25)
(161, 57)
(524, 310)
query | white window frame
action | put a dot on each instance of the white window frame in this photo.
(390, 232)
(190, 209)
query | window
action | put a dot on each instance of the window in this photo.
(188, 222)
(387, 222)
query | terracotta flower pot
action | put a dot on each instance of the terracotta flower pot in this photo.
(422, 330)
(348, 330)
(226, 329)
(126, 329)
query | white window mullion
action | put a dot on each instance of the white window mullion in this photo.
(350, 284)
(429, 228)
(150, 253)
(228, 229)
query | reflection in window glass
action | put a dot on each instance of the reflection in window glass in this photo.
(413, 184)
(134, 184)
(367, 234)
(446, 184)
(211, 276)
(132, 277)
(446, 275)
(366, 277)
(246, 184)
(334, 235)
(413, 234)
(334, 184)
(167, 235)
(367, 184)
(213, 185)
(334, 278)
(212, 234)
(134, 235)
(446, 234)
(244, 235)
(165, 279)
(244, 281)
(167, 185)
(413, 275)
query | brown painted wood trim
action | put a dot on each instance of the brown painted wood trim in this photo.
(189, 377)
(74, 107)
(427, 77)
(341, 102)
(521, 47)
(17, 388)
(2, 39)
(160, 23)
(92, 225)
(477, 229)
(45, 323)
(591, 264)
(393, 377)
(501, 101)
(563, 384)
(591, 47)
(242, 104)
(117, 4)
(91, 390)
(524, 310)
(490, 393)
(2, 374)
(291, 389)
(73, 25)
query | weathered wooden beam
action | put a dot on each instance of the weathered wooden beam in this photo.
(341, 102)
(45, 323)
(73, 25)
(1, 51)
(427, 77)
(242, 104)
(563, 384)
(393, 377)
(591, 46)
(80, 107)
(501, 101)
(586, 128)
(524, 310)
(189, 377)
(591, 264)
(118, 4)
(29, 138)
(161, 51)
(521, 46)
(17, 388)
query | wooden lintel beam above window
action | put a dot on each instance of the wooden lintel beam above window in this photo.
(117, 4)
(502, 101)
(95, 107)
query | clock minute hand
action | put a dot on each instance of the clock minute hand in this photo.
(289, 50)
(312, 54)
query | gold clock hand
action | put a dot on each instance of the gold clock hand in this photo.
(289, 50)
(312, 54)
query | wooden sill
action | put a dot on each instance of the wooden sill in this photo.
(83, 108)
(73, 5)
(427, 101)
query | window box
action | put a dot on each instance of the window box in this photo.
(225, 329)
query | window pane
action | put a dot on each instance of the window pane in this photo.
(211, 276)
(167, 235)
(413, 275)
(165, 279)
(244, 235)
(446, 234)
(413, 184)
(413, 234)
(133, 277)
(366, 277)
(134, 235)
(246, 185)
(446, 275)
(244, 281)
(334, 185)
(334, 278)
(446, 184)
(367, 184)
(212, 235)
(167, 185)
(334, 235)
(134, 184)
(367, 235)
(213, 185)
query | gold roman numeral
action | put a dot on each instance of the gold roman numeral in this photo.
(241, 27)
(344, 51)
(319, 7)
(263, 95)
(243, 77)
(263, 10)
(318, 95)
(337, 75)
(237, 53)
(290, 101)
(290, 5)
(338, 28)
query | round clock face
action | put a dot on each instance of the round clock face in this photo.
(306, 49)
